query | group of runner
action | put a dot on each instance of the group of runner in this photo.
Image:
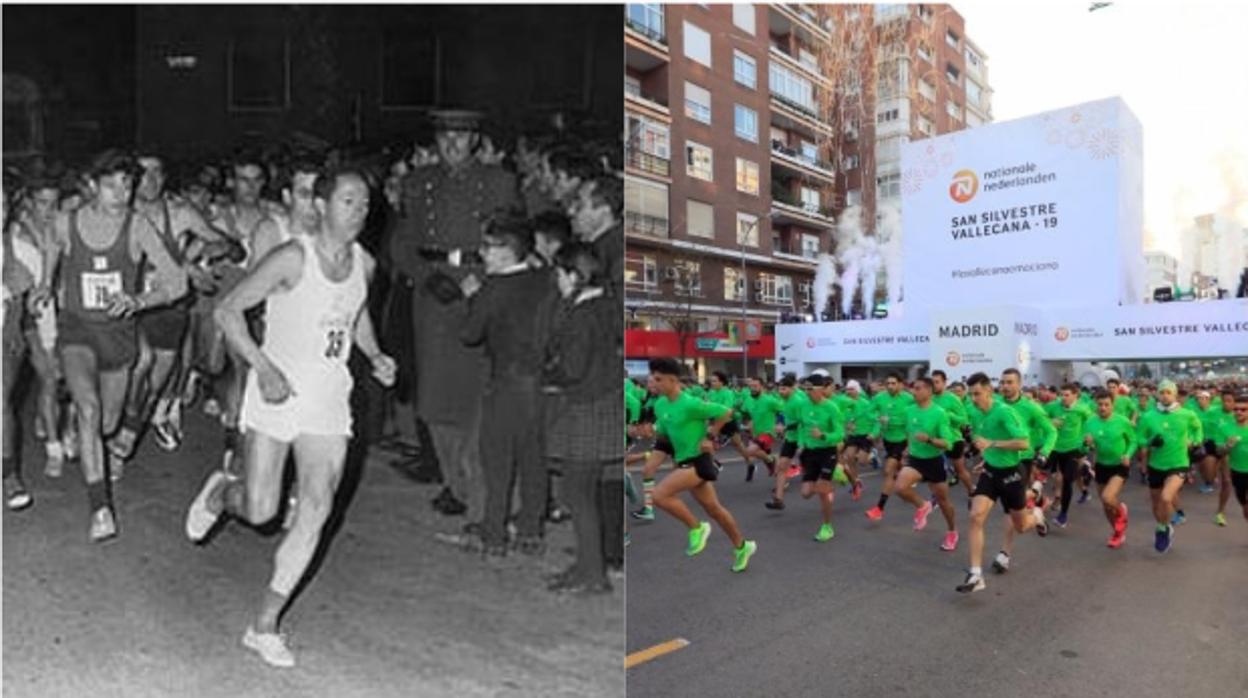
(1028, 448)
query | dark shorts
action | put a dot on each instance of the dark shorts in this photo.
(818, 464)
(1239, 481)
(1006, 484)
(789, 449)
(862, 443)
(114, 343)
(1105, 472)
(704, 465)
(663, 445)
(731, 429)
(14, 338)
(957, 451)
(932, 469)
(765, 442)
(164, 328)
(1063, 460)
(894, 449)
(1157, 478)
(1211, 448)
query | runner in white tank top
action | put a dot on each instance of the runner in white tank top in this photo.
(298, 393)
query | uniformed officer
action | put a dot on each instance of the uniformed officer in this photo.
(434, 247)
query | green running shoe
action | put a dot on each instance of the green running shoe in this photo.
(697, 538)
(1220, 519)
(743, 555)
(825, 533)
(839, 476)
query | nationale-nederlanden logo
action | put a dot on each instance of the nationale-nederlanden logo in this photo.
(953, 358)
(964, 186)
(1062, 334)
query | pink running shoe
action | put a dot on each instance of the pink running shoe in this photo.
(920, 516)
(951, 542)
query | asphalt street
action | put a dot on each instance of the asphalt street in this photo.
(873, 612)
(390, 612)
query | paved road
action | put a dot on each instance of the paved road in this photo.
(391, 612)
(874, 612)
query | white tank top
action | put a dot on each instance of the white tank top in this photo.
(311, 327)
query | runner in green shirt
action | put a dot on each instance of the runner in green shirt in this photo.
(1234, 443)
(1040, 431)
(1112, 436)
(1206, 453)
(928, 434)
(821, 433)
(891, 407)
(1123, 405)
(1168, 432)
(721, 394)
(1068, 417)
(861, 428)
(761, 408)
(656, 405)
(958, 421)
(795, 402)
(684, 422)
(1001, 436)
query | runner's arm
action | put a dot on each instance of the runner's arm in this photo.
(277, 272)
(266, 238)
(365, 333)
(170, 278)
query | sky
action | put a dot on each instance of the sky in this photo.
(1180, 67)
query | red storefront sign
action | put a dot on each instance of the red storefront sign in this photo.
(649, 344)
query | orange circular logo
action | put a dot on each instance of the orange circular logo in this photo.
(953, 358)
(1062, 334)
(964, 186)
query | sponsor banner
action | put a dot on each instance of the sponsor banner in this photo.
(1152, 331)
(861, 341)
(1037, 211)
(988, 339)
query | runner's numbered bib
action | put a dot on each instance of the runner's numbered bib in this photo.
(100, 288)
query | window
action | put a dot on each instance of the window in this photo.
(810, 152)
(641, 273)
(972, 120)
(647, 18)
(259, 73)
(954, 110)
(810, 246)
(808, 59)
(927, 90)
(699, 161)
(853, 197)
(743, 17)
(973, 92)
(697, 44)
(952, 39)
(788, 86)
(744, 69)
(747, 229)
(808, 293)
(887, 115)
(851, 129)
(925, 13)
(747, 176)
(810, 199)
(972, 60)
(888, 185)
(645, 207)
(688, 278)
(924, 51)
(649, 137)
(409, 74)
(925, 126)
(697, 103)
(952, 74)
(850, 162)
(632, 86)
(734, 284)
(746, 123)
(700, 222)
(774, 289)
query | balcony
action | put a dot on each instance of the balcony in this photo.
(645, 43)
(641, 224)
(790, 210)
(642, 161)
(646, 104)
(794, 160)
(646, 20)
(809, 67)
(788, 17)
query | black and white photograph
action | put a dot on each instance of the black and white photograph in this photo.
(313, 350)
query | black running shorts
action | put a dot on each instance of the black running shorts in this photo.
(1006, 484)
(1239, 481)
(862, 443)
(1105, 472)
(894, 449)
(1157, 478)
(789, 449)
(164, 328)
(663, 445)
(818, 464)
(113, 342)
(932, 469)
(704, 465)
(958, 450)
(731, 429)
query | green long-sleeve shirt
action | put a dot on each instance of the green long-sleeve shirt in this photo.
(1126, 407)
(932, 421)
(1238, 456)
(794, 408)
(860, 413)
(1069, 422)
(891, 411)
(683, 422)
(1001, 423)
(762, 410)
(953, 406)
(827, 418)
(1040, 432)
(1113, 438)
(1179, 430)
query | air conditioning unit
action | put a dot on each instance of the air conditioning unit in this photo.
(671, 273)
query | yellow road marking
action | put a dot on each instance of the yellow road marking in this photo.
(655, 652)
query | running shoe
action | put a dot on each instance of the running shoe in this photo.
(103, 525)
(1061, 520)
(1083, 498)
(974, 582)
(825, 533)
(1220, 519)
(167, 437)
(1042, 526)
(15, 495)
(951, 542)
(742, 556)
(697, 538)
(920, 516)
(200, 518)
(794, 471)
(212, 408)
(839, 477)
(775, 504)
(55, 462)
(1001, 563)
(856, 494)
(1120, 524)
(292, 508)
(749, 472)
(191, 393)
(1162, 539)
(270, 646)
(644, 514)
(69, 445)
(1115, 541)
(875, 513)
(116, 465)
(1179, 518)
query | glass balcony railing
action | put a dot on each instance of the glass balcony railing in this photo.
(647, 20)
(647, 162)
